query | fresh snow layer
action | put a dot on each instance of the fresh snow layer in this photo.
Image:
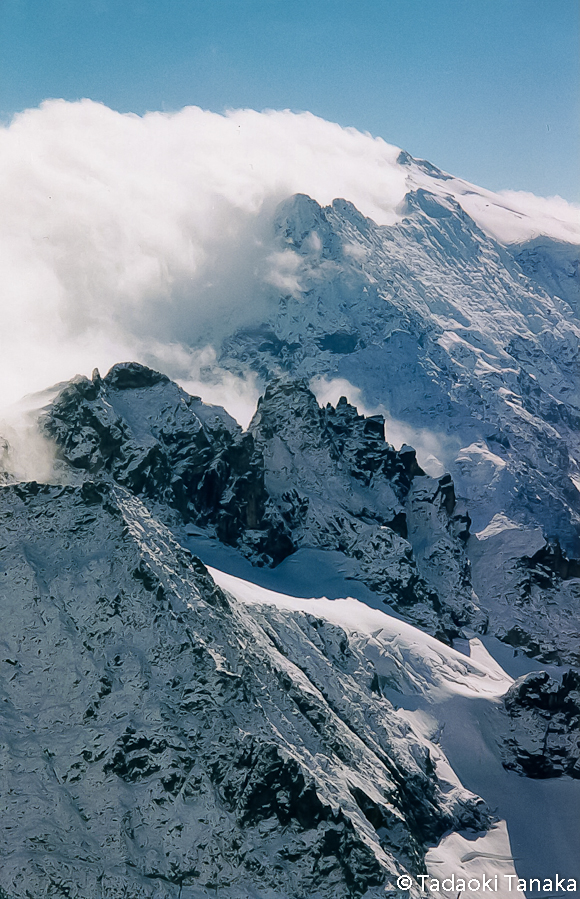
(416, 661)
(486, 857)
(509, 216)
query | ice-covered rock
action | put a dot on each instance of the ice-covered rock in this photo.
(553, 264)
(342, 486)
(529, 589)
(177, 453)
(306, 476)
(165, 738)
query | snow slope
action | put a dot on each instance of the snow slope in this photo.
(160, 739)
(452, 699)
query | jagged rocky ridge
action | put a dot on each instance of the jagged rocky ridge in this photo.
(465, 342)
(300, 476)
(143, 431)
(306, 476)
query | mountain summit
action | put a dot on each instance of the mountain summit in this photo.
(468, 346)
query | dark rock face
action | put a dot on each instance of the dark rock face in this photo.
(139, 428)
(544, 739)
(301, 475)
(132, 375)
(530, 590)
(305, 476)
(549, 565)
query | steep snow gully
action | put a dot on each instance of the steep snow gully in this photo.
(294, 660)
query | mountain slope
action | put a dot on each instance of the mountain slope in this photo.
(464, 344)
(159, 739)
(302, 476)
(166, 737)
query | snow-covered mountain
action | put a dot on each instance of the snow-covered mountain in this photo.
(167, 734)
(306, 658)
(303, 476)
(469, 346)
(161, 738)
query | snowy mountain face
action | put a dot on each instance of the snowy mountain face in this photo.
(167, 746)
(267, 663)
(468, 345)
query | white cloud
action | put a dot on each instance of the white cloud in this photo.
(119, 230)
(25, 455)
(147, 238)
(515, 216)
(330, 390)
(200, 374)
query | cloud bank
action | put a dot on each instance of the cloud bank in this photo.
(124, 237)
(147, 238)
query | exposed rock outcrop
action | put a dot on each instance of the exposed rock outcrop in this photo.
(300, 476)
(143, 431)
(340, 485)
(544, 737)
(306, 476)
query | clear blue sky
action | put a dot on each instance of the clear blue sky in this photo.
(486, 89)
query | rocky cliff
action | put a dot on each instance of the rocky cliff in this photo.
(306, 476)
